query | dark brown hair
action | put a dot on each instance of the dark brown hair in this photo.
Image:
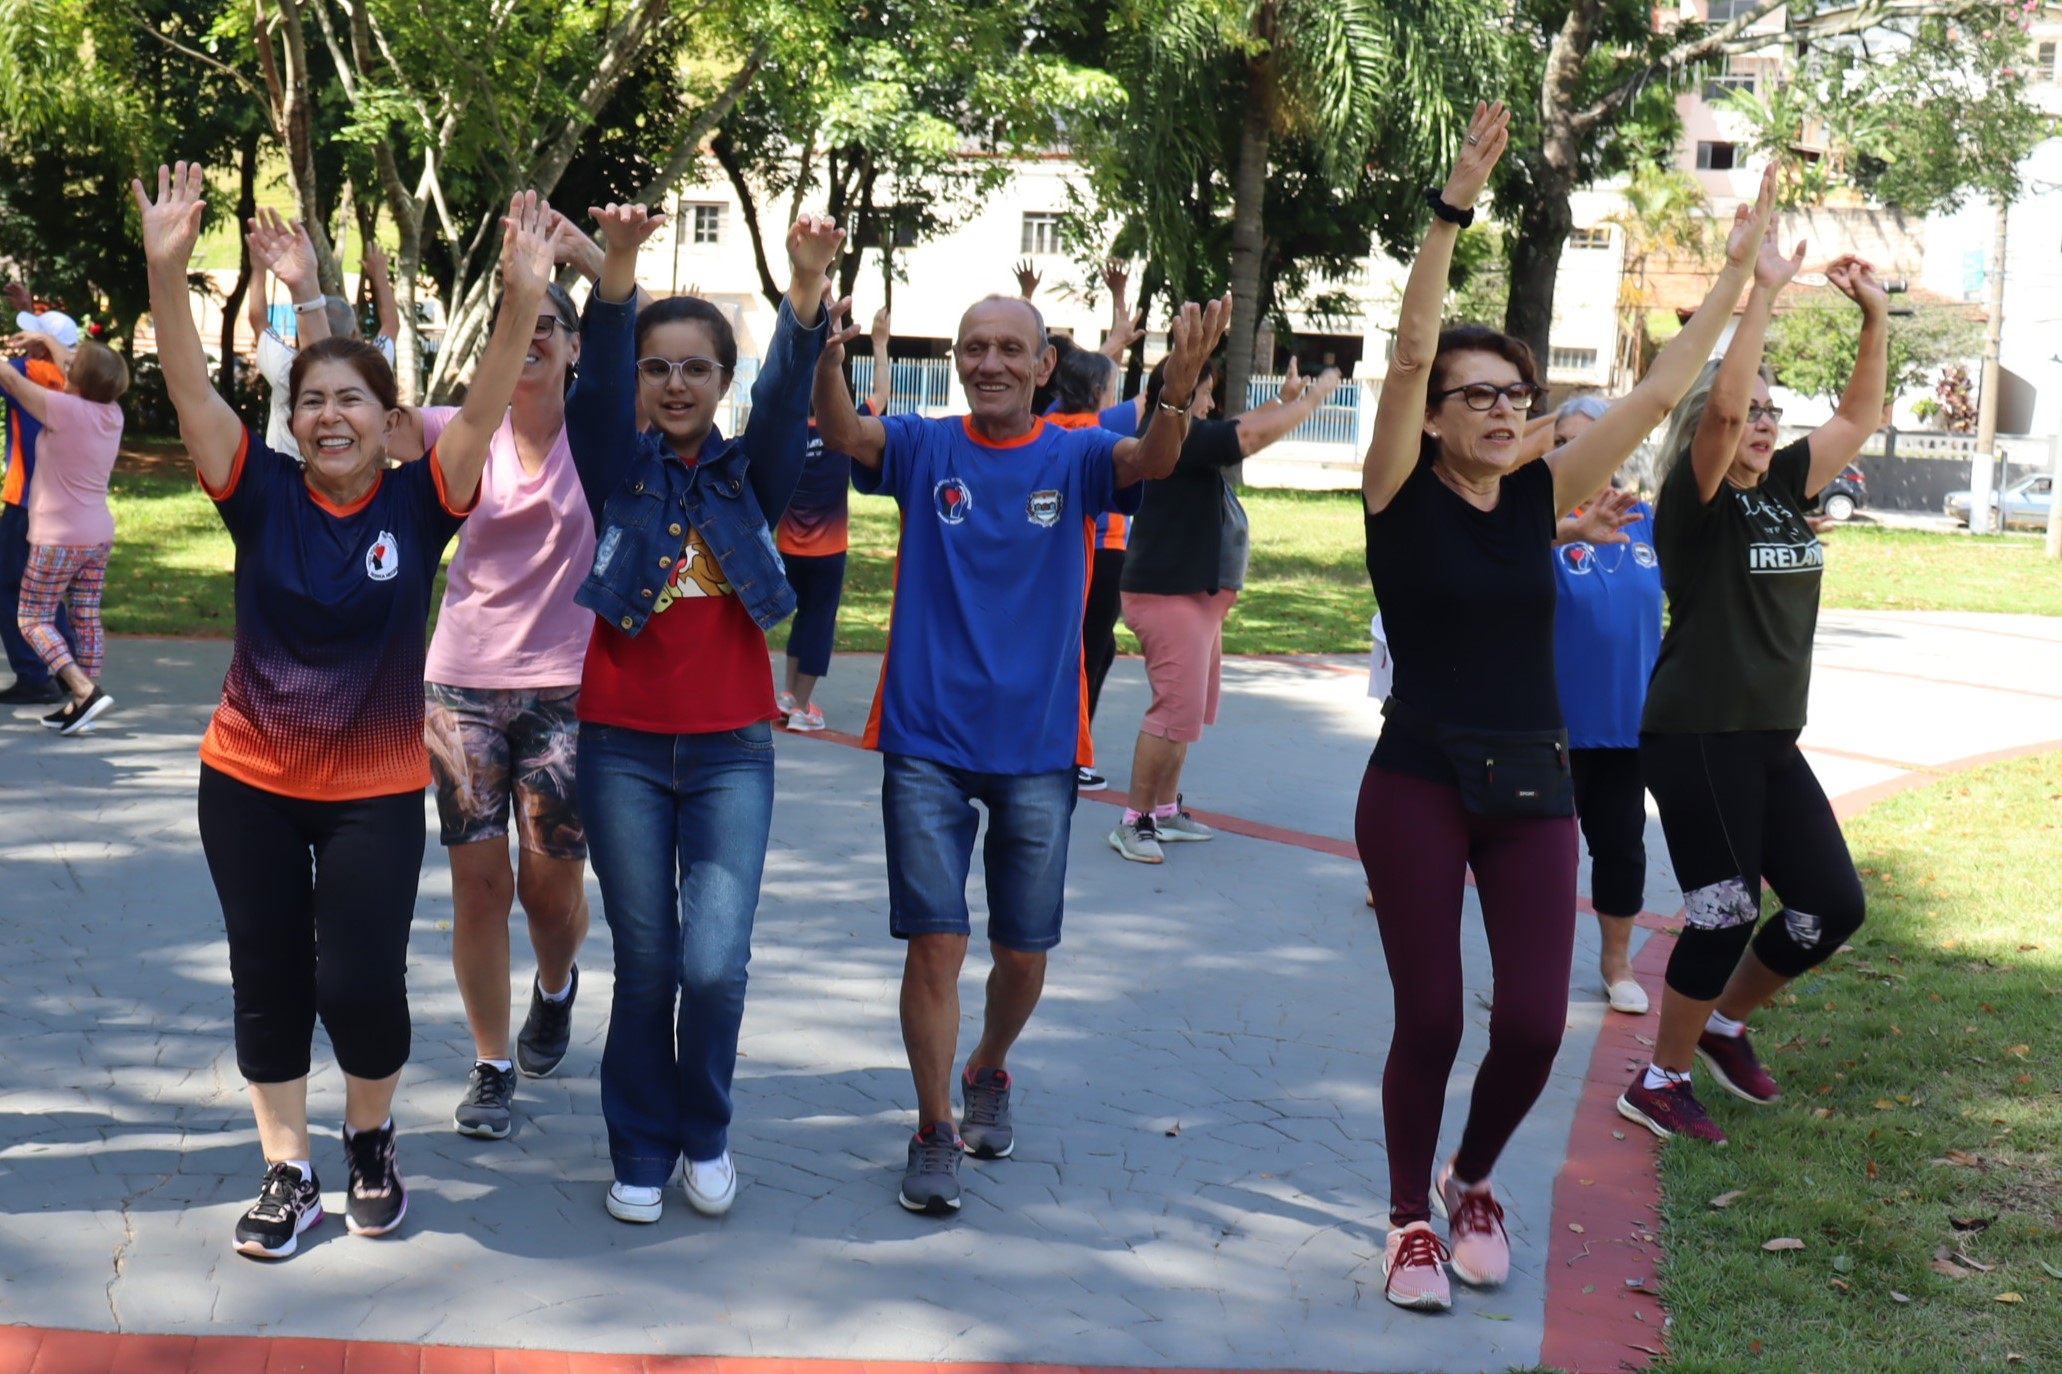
(98, 372)
(1158, 377)
(369, 363)
(1473, 338)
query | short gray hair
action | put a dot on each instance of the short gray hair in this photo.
(1588, 407)
(343, 320)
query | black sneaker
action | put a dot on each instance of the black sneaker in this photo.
(377, 1200)
(547, 1030)
(1088, 780)
(484, 1112)
(931, 1181)
(56, 718)
(80, 714)
(288, 1204)
(20, 693)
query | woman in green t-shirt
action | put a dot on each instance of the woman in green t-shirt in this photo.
(1718, 742)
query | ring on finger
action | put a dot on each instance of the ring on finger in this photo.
(1472, 139)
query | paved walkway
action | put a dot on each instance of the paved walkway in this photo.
(1199, 1180)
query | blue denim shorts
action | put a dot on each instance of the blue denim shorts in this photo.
(927, 812)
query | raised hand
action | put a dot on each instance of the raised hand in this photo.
(840, 334)
(1489, 133)
(1743, 244)
(374, 262)
(18, 296)
(880, 331)
(625, 227)
(171, 223)
(1192, 337)
(1293, 382)
(1117, 276)
(1603, 520)
(813, 243)
(1855, 278)
(283, 248)
(527, 247)
(1027, 278)
(1773, 270)
(1328, 381)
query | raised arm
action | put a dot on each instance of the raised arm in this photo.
(25, 392)
(461, 450)
(1835, 443)
(624, 228)
(1027, 278)
(1263, 425)
(1587, 462)
(862, 438)
(1192, 337)
(283, 249)
(779, 433)
(883, 367)
(257, 306)
(572, 247)
(1124, 330)
(374, 266)
(171, 227)
(1400, 415)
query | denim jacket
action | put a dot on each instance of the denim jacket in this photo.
(643, 497)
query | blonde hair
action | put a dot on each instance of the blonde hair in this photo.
(98, 372)
(1686, 419)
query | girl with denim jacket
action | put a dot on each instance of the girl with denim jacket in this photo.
(675, 760)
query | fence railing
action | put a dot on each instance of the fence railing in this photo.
(1337, 421)
(2027, 449)
(921, 385)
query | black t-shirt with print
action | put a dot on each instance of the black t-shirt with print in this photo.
(1742, 576)
(1467, 598)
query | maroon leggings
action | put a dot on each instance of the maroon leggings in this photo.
(1417, 845)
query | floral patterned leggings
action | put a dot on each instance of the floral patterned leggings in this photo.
(71, 574)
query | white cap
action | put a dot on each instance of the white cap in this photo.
(55, 323)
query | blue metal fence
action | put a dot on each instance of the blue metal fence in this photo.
(918, 385)
(1337, 421)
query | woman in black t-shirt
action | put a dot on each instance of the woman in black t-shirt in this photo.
(1718, 743)
(1460, 547)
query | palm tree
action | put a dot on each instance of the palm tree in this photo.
(1666, 215)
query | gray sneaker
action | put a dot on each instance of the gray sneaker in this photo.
(931, 1182)
(1182, 826)
(547, 1030)
(485, 1112)
(986, 1128)
(1138, 841)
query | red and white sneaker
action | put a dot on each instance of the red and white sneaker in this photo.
(1475, 1226)
(1737, 1068)
(1671, 1109)
(1414, 1269)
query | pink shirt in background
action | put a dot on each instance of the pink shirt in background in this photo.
(508, 618)
(77, 451)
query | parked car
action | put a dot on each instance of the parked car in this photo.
(2026, 502)
(1842, 496)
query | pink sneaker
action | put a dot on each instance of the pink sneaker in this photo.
(1413, 1262)
(1481, 1246)
(1669, 1110)
(1737, 1068)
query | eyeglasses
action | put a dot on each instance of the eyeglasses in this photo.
(545, 324)
(1482, 396)
(661, 371)
(1757, 412)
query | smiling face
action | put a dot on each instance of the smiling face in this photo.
(1476, 441)
(1000, 362)
(554, 349)
(340, 425)
(1758, 444)
(682, 409)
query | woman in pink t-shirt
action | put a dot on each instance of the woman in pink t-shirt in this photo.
(71, 529)
(502, 680)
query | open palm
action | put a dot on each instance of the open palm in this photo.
(171, 223)
(527, 245)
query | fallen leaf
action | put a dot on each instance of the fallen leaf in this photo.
(1948, 1269)
(1896, 1296)
(1618, 1135)
(2051, 1270)
(1872, 1168)
(1970, 1223)
(1843, 1264)
(1783, 1243)
(1822, 1112)
(1576, 1227)
(1175, 1129)
(2020, 1050)
(1644, 1349)
(1494, 1316)
(1967, 1161)
(1754, 1347)
(1587, 1182)
(1589, 1288)
(1884, 1104)
(2014, 1357)
(1840, 1284)
(1644, 1041)
(2008, 1297)
(1728, 1199)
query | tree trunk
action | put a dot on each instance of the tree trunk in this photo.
(1543, 222)
(726, 157)
(1248, 231)
(1546, 213)
(1983, 485)
(297, 132)
(232, 309)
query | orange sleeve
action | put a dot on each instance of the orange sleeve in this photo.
(444, 497)
(235, 472)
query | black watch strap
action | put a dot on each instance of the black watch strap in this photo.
(1463, 218)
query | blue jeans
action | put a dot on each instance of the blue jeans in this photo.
(928, 816)
(676, 831)
(14, 561)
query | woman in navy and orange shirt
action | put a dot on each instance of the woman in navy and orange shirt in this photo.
(317, 745)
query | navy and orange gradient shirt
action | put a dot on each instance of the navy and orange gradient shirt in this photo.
(323, 699)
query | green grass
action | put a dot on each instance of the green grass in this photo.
(1922, 1077)
(1306, 593)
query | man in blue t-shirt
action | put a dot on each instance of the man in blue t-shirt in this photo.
(981, 695)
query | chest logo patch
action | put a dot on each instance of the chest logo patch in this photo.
(383, 559)
(1044, 508)
(953, 499)
(1578, 558)
(1643, 554)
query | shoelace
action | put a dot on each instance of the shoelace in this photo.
(984, 1103)
(277, 1194)
(1479, 1213)
(1420, 1249)
(495, 1088)
(372, 1158)
(938, 1154)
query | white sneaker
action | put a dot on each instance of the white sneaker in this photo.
(629, 1203)
(1627, 996)
(807, 719)
(785, 701)
(711, 1184)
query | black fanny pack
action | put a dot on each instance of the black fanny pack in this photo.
(1500, 772)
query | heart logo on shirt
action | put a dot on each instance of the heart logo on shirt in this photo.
(953, 500)
(383, 559)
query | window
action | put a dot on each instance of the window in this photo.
(702, 223)
(1726, 11)
(1571, 359)
(1041, 232)
(2044, 62)
(1716, 157)
(893, 225)
(1599, 237)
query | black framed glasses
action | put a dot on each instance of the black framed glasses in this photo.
(1482, 395)
(541, 331)
(660, 371)
(1757, 412)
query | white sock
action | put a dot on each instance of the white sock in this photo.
(561, 995)
(351, 1133)
(1721, 1024)
(1658, 1077)
(504, 1065)
(307, 1169)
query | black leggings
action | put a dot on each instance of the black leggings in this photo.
(1099, 622)
(317, 897)
(1611, 803)
(1738, 809)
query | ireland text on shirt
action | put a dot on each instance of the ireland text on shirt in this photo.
(1785, 558)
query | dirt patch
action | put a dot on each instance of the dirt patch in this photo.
(153, 456)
